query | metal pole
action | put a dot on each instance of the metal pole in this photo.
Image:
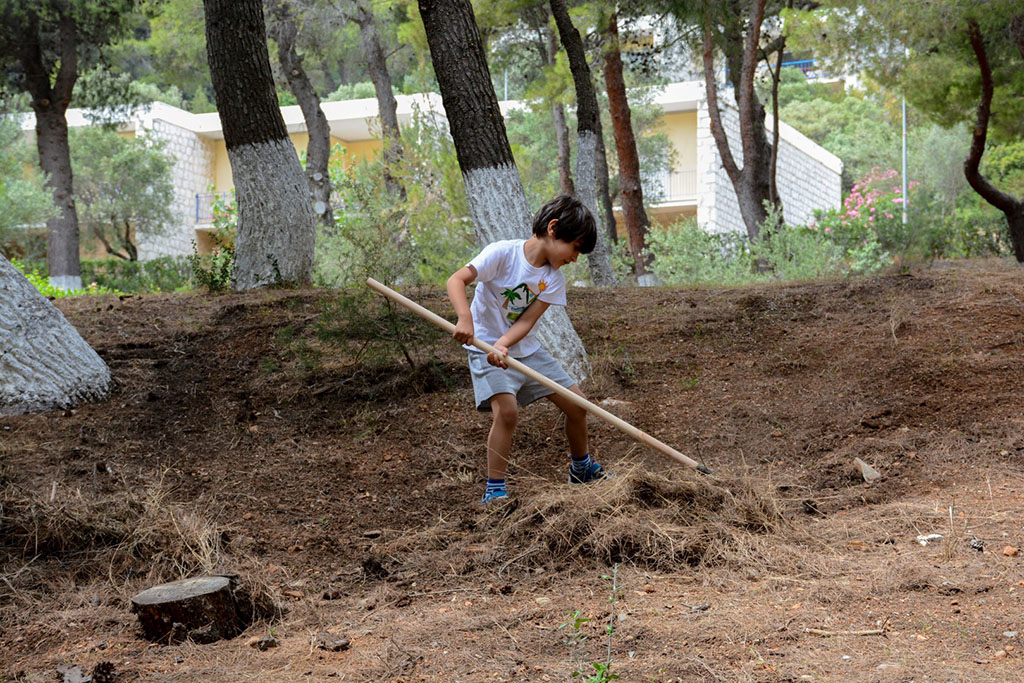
(905, 198)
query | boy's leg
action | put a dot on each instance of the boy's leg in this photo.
(575, 422)
(505, 413)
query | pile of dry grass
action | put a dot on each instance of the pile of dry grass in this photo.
(652, 520)
(137, 531)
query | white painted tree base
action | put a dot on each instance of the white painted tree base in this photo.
(497, 203)
(44, 363)
(276, 223)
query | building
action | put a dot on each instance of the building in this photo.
(808, 175)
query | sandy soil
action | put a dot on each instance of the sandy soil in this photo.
(273, 435)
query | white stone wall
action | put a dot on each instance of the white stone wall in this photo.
(191, 173)
(808, 177)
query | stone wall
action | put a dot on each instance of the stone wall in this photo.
(191, 173)
(808, 177)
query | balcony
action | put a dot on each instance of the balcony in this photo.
(671, 186)
(205, 202)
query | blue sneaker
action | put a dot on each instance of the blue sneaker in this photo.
(593, 472)
(495, 497)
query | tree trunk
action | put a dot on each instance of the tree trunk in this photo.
(590, 163)
(561, 127)
(203, 609)
(44, 363)
(50, 102)
(753, 182)
(318, 150)
(633, 212)
(494, 189)
(276, 222)
(387, 105)
(1011, 207)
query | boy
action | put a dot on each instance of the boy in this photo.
(518, 280)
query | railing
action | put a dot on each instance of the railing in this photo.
(205, 202)
(671, 186)
(810, 68)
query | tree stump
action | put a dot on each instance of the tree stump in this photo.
(203, 609)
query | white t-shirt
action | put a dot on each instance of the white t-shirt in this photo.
(506, 283)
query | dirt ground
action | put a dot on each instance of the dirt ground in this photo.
(269, 435)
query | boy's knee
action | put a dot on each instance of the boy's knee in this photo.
(575, 413)
(505, 413)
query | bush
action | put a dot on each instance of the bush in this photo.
(164, 274)
(684, 254)
(41, 282)
(215, 271)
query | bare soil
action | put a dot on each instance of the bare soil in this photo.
(260, 434)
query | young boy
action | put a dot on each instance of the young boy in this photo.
(517, 281)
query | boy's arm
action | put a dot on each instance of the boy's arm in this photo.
(457, 284)
(520, 328)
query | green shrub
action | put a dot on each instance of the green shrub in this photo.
(41, 282)
(685, 254)
(215, 271)
(163, 274)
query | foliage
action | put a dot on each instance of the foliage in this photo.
(215, 271)
(352, 91)
(123, 188)
(23, 195)
(163, 274)
(684, 253)
(41, 282)
(421, 240)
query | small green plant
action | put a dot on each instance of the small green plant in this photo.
(575, 638)
(215, 271)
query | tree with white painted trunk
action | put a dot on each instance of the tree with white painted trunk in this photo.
(590, 164)
(44, 363)
(44, 46)
(497, 201)
(276, 221)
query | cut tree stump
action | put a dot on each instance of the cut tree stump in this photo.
(203, 609)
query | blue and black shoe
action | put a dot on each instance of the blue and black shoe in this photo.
(588, 474)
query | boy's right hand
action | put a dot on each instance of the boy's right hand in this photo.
(463, 331)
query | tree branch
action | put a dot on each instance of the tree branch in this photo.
(714, 113)
(977, 181)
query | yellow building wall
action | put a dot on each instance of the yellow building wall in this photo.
(681, 130)
(354, 151)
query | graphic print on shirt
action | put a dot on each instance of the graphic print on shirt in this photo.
(519, 298)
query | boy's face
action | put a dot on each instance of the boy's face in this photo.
(561, 253)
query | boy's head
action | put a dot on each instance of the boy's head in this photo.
(575, 222)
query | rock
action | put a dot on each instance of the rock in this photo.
(1011, 551)
(1009, 634)
(1001, 654)
(869, 473)
(263, 643)
(330, 642)
(925, 539)
(977, 544)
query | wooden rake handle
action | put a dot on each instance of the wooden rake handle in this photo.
(617, 422)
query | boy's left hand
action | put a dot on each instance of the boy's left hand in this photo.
(498, 359)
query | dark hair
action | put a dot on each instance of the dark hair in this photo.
(575, 222)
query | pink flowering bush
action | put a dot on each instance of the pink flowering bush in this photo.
(871, 212)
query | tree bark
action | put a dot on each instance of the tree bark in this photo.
(276, 222)
(590, 163)
(203, 609)
(50, 102)
(387, 105)
(1011, 207)
(494, 188)
(753, 182)
(561, 127)
(637, 223)
(318, 150)
(44, 363)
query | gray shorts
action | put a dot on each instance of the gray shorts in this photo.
(489, 380)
